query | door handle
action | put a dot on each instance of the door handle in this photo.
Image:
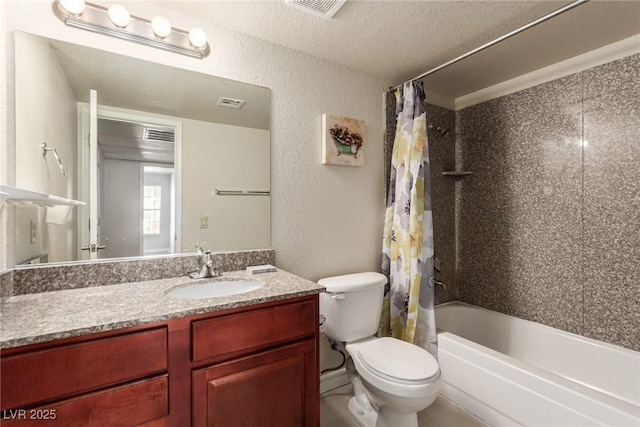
(93, 248)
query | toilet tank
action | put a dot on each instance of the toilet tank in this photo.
(351, 305)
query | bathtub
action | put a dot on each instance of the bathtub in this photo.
(508, 372)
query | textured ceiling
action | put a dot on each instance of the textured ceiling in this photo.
(399, 40)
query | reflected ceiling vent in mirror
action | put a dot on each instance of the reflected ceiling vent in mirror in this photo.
(323, 8)
(230, 102)
(159, 135)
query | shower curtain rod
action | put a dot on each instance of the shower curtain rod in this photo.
(531, 24)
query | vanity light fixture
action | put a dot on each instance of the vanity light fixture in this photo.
(161, 26)
(197, 37)
(116, 21)
(119, 15)
(74, 7)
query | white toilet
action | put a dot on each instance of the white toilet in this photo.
(392, 380)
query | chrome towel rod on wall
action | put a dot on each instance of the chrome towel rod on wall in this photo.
(241, 193)
(498, 40)
(46, 149)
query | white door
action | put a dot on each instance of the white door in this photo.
(91, 228)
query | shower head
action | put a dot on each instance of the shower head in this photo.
(441, 131)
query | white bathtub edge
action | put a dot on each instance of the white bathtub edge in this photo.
(461, 371)
(475, 407)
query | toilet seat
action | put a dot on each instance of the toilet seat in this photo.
(396, 361)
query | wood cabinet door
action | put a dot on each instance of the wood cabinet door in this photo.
(271, 389)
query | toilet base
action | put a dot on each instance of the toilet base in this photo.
(360, 416)
(386, 419)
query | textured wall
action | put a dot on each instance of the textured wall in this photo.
(549, 221)
(323, 218)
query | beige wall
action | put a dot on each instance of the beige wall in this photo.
(46, 113)
(233, 158)
(325, 220)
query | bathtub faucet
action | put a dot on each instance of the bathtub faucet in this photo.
(435, 282)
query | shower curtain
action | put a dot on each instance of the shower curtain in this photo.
(407, 254)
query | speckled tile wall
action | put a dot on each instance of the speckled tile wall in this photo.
(442, 158)
(389, 136)
(6, 283)
(612, 202)
(549, 226)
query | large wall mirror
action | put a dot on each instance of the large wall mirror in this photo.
(179, 160)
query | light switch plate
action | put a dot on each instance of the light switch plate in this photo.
(204, 222)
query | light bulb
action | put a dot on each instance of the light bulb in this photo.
(74, 7)
(198, 37)
(119, 15)
(161, 26)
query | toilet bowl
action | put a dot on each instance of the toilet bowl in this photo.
(392, 379)
(400, 378)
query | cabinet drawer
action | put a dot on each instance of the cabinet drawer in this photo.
(236, 334)
(31, 378)
(128, 405)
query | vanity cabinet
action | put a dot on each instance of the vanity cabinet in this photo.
(259, 379)
(251, 366)
(269, 389)
(89, 382)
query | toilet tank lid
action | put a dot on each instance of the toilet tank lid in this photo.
(353, 282)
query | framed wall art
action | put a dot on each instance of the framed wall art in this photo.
(342, 141)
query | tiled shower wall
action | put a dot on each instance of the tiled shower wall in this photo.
(549, 224)
(442, 159)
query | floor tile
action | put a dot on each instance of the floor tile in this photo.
(441, 413)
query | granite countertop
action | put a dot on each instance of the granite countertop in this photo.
(47, 316)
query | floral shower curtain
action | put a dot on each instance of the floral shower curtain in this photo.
(407, 254)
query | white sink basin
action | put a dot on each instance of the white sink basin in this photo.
(214, 288)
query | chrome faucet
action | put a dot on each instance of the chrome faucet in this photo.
(206, 267)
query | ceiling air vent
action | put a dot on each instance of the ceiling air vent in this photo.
(230, 102)
(323, 8)
(159, 135)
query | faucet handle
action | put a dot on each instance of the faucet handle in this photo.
(207, 259)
